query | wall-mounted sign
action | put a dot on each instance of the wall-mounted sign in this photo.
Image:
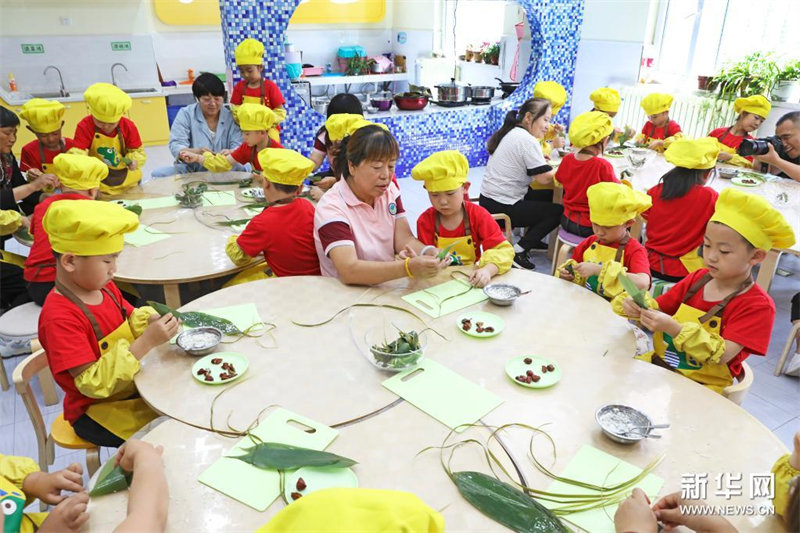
(32, 48)
(121, 46)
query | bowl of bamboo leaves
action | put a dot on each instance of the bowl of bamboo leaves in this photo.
(395, 349)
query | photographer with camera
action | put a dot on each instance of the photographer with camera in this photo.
(780, 151)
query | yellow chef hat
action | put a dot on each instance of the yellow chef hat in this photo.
(88, 227)
(256, 117)
(443, 171)
(249, 52)
(614, 204)
(756, 104)
(79, 172)
(552, 91)
(590, 128)
(43, 116)
(283, 166)
(107, 103)
(352, 510)
(655, 103)
(753, 218)
(338, 125)
(10, 221)
(693, 153)
(606, 99)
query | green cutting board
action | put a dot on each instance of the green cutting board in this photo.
(593, 466)
(446, 396)
(243, 316)
(144, 235)
(430, 300)
(256, 487)
(218, 198)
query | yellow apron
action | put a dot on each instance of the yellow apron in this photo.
(124, 413)
(598, 253)
(112, 152)
(12, 504)
(463, 252)
(715, 376)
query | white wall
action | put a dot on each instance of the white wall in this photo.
(616, 20)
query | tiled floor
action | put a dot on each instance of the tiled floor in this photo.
(775, 401)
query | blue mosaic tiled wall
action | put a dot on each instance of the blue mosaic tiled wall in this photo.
(555, 31)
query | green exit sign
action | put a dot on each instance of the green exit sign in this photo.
(32, 48)
(120, 46)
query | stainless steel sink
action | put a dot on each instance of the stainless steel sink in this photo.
(53, 94)
(141, 90)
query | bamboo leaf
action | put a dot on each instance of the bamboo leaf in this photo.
(111, 479)
(506, 504)
(277, 456)
(196, 319)
(135, 209)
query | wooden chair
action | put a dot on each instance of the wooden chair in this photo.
(18, 327)
(737, 391)
(506, 225)
(766, 271)
(787, 349)
(61, 431)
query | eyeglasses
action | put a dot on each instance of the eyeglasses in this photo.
(210, 99)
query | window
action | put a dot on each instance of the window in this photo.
(700, 36)
(471, 22)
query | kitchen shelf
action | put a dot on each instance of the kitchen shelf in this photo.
(316, 81)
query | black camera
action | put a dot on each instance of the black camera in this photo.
(750, 147)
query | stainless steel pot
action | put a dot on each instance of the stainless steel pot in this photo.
(483, 93)
(453, 92)
(320, 104)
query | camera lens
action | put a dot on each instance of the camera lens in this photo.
(750, 147)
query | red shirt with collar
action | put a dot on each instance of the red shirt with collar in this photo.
(746, 320)
(85, 132)
(246, 154)
(657, 134)
(671, 233)
(272, 94)
(285, 235)
(31, 158)
(485, 232)
(729, 139)
(634, 257)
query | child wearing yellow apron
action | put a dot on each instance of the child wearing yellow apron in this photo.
(284, 231)
(608, 100)
(659, 131)
(45, 119)
(471, 232)
(597, 261)
(111, 137)
(93, 338)
(21, 483)
(257, 123)
(787, 487)
(554, 137)
(253, 88)
(711, 321)
(752, 112)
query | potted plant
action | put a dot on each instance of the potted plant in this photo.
(470, 52)
(755, 74)
(491, 53)
(358, 65)
(787, 86)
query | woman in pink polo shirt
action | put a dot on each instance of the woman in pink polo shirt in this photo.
(360, 224)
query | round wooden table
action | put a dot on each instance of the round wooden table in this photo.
(320, 373)
(195, 249)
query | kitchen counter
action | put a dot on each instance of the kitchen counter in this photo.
(431, 108)
(18, 98)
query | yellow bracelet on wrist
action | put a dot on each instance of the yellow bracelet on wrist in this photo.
(408, 270)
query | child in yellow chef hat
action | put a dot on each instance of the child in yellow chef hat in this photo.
(284, 231)
(716, 317)
(343, 126)
(257, 122)
(349, 510)
(752, 111)
(598, 261)
(111, 137)
(80, 177)
(253, 88)
(466, 229)
(557, 96)
(607, 100)
(10, 221)
(659, 131)
(93, 338)
(45, 119)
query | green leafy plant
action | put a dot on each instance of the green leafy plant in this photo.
(756, 73)
(789, 72)
(358, 65)
(492, 51)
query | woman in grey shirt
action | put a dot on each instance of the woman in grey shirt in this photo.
(206, 125)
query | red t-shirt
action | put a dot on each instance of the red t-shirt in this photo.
(634, 257)
(729, 139)
(486, 233)
(247, 154)
(650, 130)
(285, 235)
(576, 177)
(30, 158)
(746, 320)
(85, 133)
(67, 336)
(40, 264)
(676, 227)
(272, 94)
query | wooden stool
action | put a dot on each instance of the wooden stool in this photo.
(565, 243)
(18, 326)
(737, 391)
(787, 349)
